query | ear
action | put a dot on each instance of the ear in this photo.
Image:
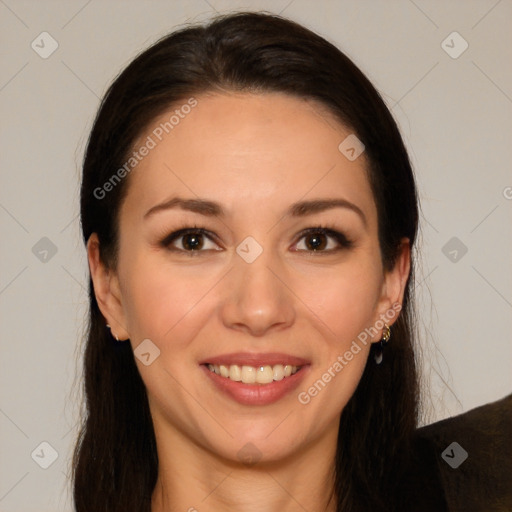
(106, 290)
(393, 287)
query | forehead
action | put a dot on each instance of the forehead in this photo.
(240, 149)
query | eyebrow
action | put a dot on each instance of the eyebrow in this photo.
(213, 209)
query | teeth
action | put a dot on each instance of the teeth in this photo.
(278, 372)
(248, 374)
(264, 375)
(235, 373)
(252, 374)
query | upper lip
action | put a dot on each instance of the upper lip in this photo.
(252, 359)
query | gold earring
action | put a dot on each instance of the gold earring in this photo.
(386, 335)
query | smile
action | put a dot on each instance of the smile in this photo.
(255, 379)
(254, 374)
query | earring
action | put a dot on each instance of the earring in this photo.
(386, 334)
(111, 333)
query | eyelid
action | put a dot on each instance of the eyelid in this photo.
(177, 234)
(343, 241)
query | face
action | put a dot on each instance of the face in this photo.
(248, 246)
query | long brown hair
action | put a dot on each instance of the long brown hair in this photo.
(115, 462)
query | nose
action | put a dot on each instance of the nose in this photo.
(256, 299)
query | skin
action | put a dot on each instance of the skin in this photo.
(255, 155)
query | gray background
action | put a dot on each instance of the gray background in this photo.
(455, 115)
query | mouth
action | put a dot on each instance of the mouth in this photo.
(254, 374)
(255, 379)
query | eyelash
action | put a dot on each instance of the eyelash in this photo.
(341, 238)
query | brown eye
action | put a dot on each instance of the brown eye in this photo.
(316, 242)
(192, 241)
(323, 240)
(189, 240)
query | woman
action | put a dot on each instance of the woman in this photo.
(250, 215)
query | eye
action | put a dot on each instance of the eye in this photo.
(189, 240)
(314, 240)
(322, 239)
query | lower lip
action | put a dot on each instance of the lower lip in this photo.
(257, 394)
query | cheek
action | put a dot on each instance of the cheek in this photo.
(160, 299)
(344, 299)
(344, 304)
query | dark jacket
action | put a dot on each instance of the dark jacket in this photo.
(464, 463)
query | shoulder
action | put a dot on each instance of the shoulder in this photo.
(464, 462)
